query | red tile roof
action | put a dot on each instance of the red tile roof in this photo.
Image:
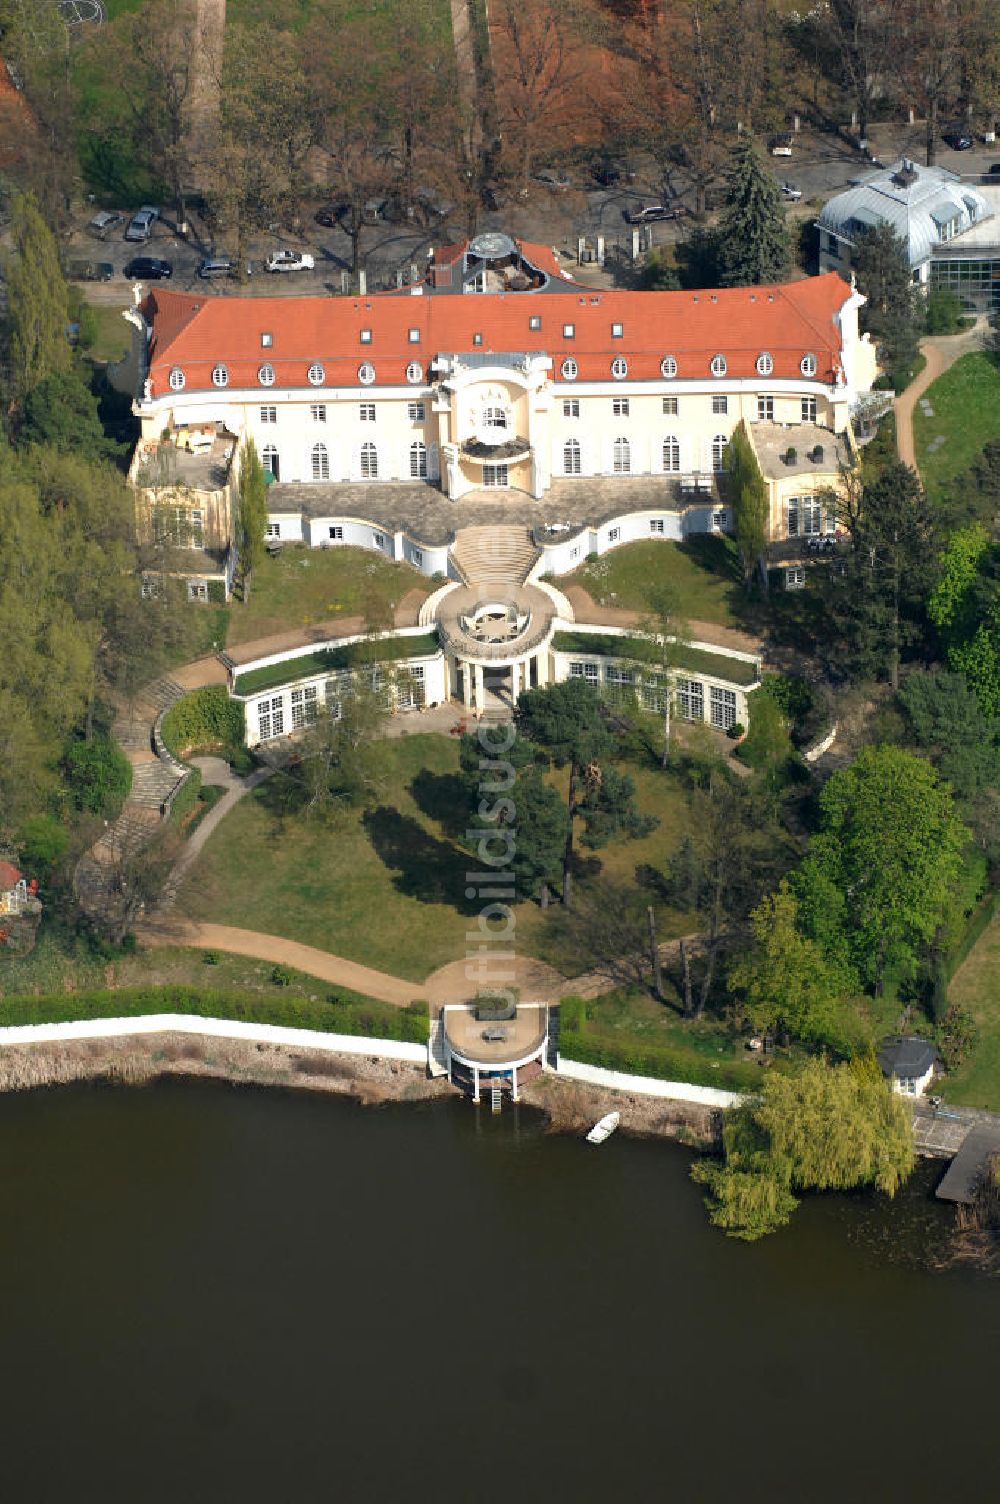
(788, 321)
(9, 877)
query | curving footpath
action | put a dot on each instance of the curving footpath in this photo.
(940, 352)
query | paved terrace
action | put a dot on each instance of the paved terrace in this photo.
(520, 1035)
(428, 516)
(773, 440)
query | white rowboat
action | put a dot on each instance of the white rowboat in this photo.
(604, 1129)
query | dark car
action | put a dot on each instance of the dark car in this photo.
(83, 270)
(608, 173)
(993, 170)
(331, 215)
(148, 269)
(958, 140)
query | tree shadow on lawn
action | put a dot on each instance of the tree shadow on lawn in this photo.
(426, 869)
(443, 798)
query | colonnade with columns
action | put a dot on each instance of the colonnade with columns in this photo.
(525, 673)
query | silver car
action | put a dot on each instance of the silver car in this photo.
(141, 224)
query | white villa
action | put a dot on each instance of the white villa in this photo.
(492, 426)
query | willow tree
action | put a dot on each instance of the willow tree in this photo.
(748, 497)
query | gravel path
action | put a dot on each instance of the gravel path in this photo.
(940, 352)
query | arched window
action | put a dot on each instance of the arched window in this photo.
(269, 459)
(568, 369)
(177, 379)
(719, 366)
(495, 417)
(619, 368)
(807, 365)
(668, 366)
(671, 453)
(320, 458)
(414, 373)
(572, 460)
(718, 451)
(220, 376)
(369, 462)
(266, 375)
(366, 373)
(765, 365)
(316, 374)
(622, 462)
(418, 460)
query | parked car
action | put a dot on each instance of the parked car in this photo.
(217, 266)
(332, 214)
(958, 140)
(102, 224)
(780, 146)
(140, 226)
(149, 269)
(993, 171)
(790, 192)
(81, 270)
(556, 182)
(608, 173)
(290, 261)
(647, 214)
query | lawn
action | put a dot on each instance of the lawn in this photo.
(704, 572)
(387, 887)
(112, 339)
(976, 987)
(966, 405)
(303, 586)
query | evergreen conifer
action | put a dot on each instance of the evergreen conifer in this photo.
(753, 237)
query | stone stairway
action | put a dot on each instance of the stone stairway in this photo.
(492, 557)
(155, 778)
(437, 1064)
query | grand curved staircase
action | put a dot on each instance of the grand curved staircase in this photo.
(494, 556)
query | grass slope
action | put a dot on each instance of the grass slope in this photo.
(976, 987)
(303, 586)
(966, 406)
(704, 572)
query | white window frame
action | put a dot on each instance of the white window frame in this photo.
(571, 407)
(656, 525)
(366, 373)
(671, 407)
(719, 444)
(722, 707)
(269, 414)
(366, 412)
(569, 331)
(416, 412)
(621, 456)
(305, 706)
(271, 718)
(418, 461)
(316, 375)
(496, 477)
(414, 373)
(795, 577)
(765, 363)
(369, 461)
(319, 460)
(619, 368)
(668, 367)
(220, 375)
(808, 409)
(572, 457)
(670, 454)
(765, 408)
(719, 365)
(265, 374)
(619, 407)
(177, 379)
(808, 364)
(690, 699)
(720, 405)
(569, 368)
(317, 412)
(271, 452)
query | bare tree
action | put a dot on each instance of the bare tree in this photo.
(863, 31)
(929, 56)
(537, 69)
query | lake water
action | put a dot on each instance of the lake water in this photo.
(213, 1293)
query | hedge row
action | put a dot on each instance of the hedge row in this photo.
(334, 1016)
(186, 798)
(658, 1061)
(947, 965)
(204, 721)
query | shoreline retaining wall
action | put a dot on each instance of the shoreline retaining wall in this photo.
(213, 1028)
(647, 1086)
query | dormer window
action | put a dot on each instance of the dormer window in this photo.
(414, 373)
(569, 331)
(413, 335)
(266, 340)
(316, 374)
(765, 365)
(477, 339)
(266, 375)
(366, 373)
(366, 336)
(568, 369)
(719, 367)
(220, 376)
(619, 368)
(617, 331)
(668, 367)
(534, 321)
(807, 365)
(177, 379)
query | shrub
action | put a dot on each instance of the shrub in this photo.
(186, 798)
(205, 721)
(281, 976)
(217, 592)
(43, 843)
(957, 1036)
(210, 957)
(98, 775)
(945, 314)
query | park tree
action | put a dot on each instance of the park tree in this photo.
(748, 497)
(568, 723)
(37, 303)
(862, 33)
(948, 725)
(251, 514)
(965, 608)
(342, 763)
(929, 62)
(537, 54)
(61, 412)
(785, 982)
(824, 1128)
(540, 820)
(664, 635)
(890, 315)
(730, 854)
(890, 847)
(877, 605)
(754, 245)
